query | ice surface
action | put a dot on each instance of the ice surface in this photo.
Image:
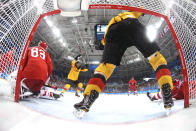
(106, 109)
(5, 89)
(109, 112)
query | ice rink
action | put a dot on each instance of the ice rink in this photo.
(109, 112)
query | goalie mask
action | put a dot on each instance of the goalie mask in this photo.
(43, 45)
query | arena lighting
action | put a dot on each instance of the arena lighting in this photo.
(74, 21)
(49, 22)
(56, 31)
(64, 44)
(95, 62)
(137, 59)
(147, 79)
(61, 40)
(134, 60)
(151, 30)
(158, 24)
(151, 33)
(70, 57)
(130, 61)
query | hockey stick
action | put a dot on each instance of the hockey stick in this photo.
(47, 86)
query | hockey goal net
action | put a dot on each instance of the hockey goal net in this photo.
(19, 20)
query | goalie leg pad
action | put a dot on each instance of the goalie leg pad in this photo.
(34, 85)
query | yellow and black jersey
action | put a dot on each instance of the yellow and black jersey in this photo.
(74, 72)
(119, 18)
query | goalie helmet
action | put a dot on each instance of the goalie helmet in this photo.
(78, 64)
(43, 45)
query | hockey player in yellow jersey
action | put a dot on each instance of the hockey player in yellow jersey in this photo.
(123, 31)
(76, 67)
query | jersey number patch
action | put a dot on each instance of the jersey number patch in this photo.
(36, 53)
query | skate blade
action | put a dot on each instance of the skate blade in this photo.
(25, 95)
(159, 102)
(168, 111)
(79, 113)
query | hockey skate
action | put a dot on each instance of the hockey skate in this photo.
(135, 93)
(149, 95)
(24, 92)
(167, 97)
(77, 94)
(56, 95)
(82, 107)
(49, 93)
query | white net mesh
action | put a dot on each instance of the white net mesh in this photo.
(17, 18)
(185, 26)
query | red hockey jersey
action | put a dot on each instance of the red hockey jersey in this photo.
(132, 83)
(38, 64)
(178, 90)
(7, 60)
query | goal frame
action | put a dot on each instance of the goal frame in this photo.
(109, 6)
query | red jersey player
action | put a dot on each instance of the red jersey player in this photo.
(132, 86)
(7, 60)
(37, 68)
(177, 92)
